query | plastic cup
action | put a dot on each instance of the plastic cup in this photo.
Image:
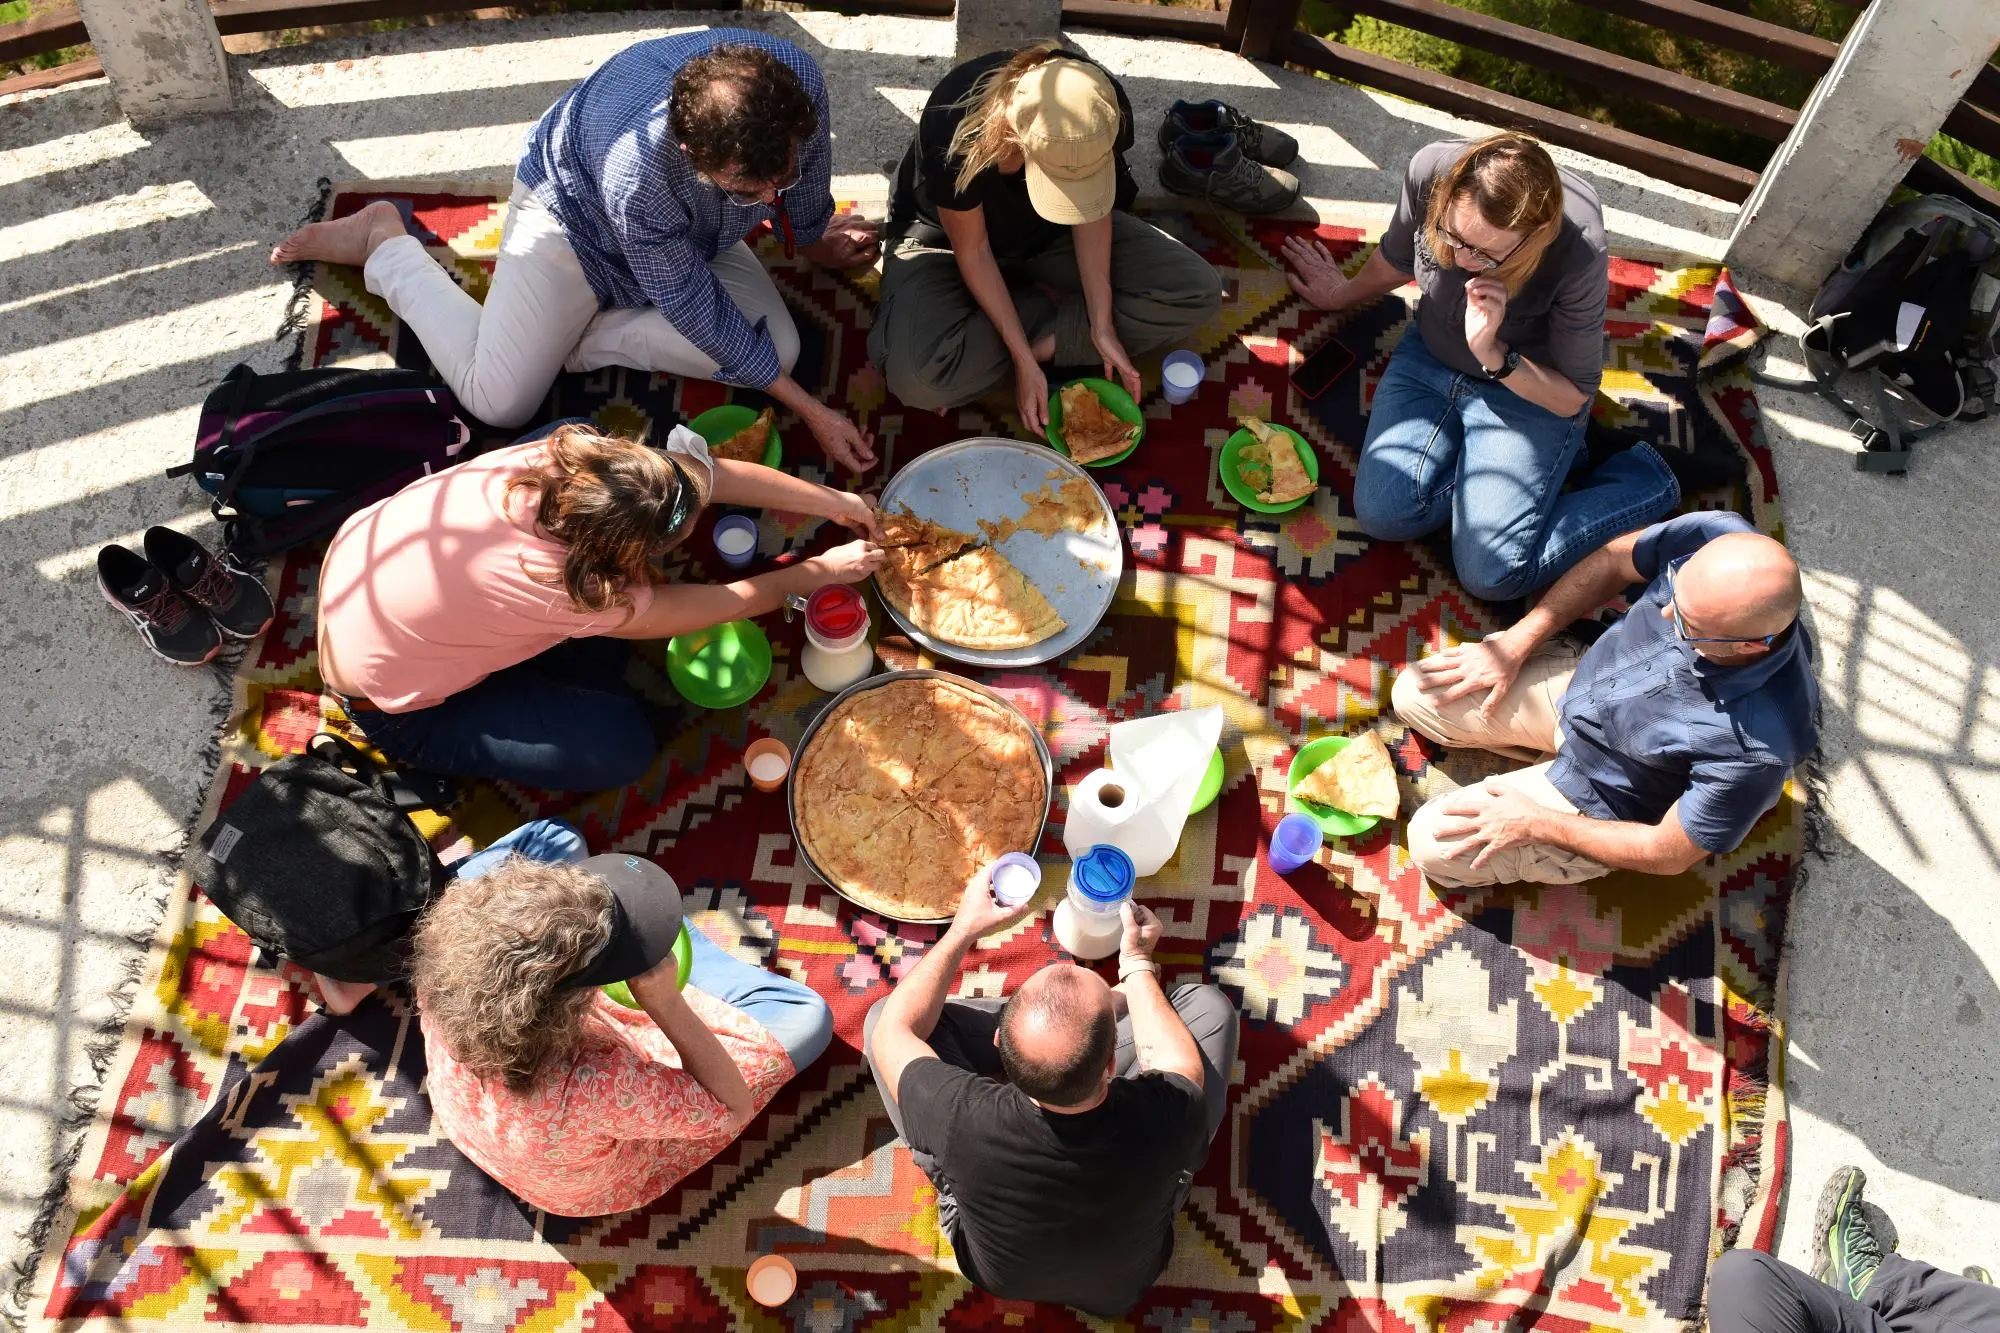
(1181, 374)
(735, 538)
(771, 1280)
(768, 761)
(1015, 878)
(1293, 843)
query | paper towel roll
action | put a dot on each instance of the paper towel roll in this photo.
(1105, 808)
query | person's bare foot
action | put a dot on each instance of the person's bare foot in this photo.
(342, 997)
(348, 240)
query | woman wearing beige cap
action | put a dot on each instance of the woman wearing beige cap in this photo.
(1013, 245)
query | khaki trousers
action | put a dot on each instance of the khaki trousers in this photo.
(1522, 727)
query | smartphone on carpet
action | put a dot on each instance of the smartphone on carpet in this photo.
(1319, 371)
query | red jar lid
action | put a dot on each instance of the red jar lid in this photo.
(836, 612)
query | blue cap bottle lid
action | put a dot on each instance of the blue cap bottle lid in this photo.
(1104, 874)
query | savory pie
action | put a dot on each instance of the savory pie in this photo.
(1360, 780)
(1089, 428)
(909, 789)
(1272, 465)
(952, 587)
(747, 445)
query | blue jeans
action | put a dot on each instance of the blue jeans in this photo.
(792, 1013)
(1444, 447)
(564, 721)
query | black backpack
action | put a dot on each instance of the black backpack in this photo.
(289, 456)
(316, 864)
(1901, 338)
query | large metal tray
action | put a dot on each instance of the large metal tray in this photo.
(985, 478)
(876, 683)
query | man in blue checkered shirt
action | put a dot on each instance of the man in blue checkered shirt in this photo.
(624, 243)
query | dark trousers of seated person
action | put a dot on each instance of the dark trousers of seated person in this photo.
(965, 1031)
(1751, 1292)
(565, 721)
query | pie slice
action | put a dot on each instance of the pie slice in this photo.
(982, 600)
(1090, 429)
(1360, 780)
(1272, 465)
(747, 445)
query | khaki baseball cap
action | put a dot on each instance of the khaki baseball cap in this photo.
(1065, 114)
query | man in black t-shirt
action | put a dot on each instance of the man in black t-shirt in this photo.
(1063, 1127)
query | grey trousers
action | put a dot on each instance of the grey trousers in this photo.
(936, 347)
(965, 1031)
(1750, 1292)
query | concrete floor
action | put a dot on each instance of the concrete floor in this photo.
(132, 278)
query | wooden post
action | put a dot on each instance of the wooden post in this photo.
(1265, 25)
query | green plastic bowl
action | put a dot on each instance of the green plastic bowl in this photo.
(683, 964)
(722, 666)
(1114, 397)
(1211, 784)
(719, 423)
(1333, 823)
(1246, 495)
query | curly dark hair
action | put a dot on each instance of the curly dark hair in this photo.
(740, 109)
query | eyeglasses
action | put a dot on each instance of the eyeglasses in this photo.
(775, 191)
(1485, 257)
(1680, 621)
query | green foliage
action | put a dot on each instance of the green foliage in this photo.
(13, 11)
(1636, 41)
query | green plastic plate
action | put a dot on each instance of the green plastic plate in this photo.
(1114, 397)
(683, 964)
(1230, 463)
(719, 423)
(1333, 823)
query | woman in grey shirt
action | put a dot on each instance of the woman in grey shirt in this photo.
(1481, 412)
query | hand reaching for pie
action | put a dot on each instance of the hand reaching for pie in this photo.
(850, 563)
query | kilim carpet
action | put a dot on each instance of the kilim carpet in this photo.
(1545, 1107)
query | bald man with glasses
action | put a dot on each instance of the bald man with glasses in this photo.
(1661, 744)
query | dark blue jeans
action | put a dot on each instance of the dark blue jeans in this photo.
(565, 721)
(1444, 447)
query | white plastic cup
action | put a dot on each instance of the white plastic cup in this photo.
(1181, 375)
(1015, 878)
(735, 540)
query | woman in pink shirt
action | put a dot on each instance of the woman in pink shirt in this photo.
(575, 1103)
(472, 622)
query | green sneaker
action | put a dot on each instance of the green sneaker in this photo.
(1846, 1252)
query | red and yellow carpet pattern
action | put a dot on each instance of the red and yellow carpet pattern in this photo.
(1548, 1107)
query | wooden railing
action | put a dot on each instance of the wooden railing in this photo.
(1268, 30)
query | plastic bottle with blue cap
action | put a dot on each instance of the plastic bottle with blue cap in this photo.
(1089, 921)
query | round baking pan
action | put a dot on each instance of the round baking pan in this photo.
(804, 748)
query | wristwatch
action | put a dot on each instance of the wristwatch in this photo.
(1507, 364)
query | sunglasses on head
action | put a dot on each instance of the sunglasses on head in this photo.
(1680, 621)
(681, 511)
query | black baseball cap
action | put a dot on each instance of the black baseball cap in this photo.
(645, 920)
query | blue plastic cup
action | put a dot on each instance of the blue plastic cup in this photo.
(735, 540)
(1181, 374)
(1293, 843)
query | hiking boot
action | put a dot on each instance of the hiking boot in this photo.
(234, 600)
(1846, 1252)
(1979, 1273)
(173, 627)
(1259, 142)
(1213, 167)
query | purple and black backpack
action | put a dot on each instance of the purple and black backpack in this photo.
(289, 456)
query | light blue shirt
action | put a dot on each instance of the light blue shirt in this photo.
(643, 222)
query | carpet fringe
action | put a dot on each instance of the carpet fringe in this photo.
(293, 325)
(73, 1129)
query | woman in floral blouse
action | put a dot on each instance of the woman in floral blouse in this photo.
(575, 1103)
